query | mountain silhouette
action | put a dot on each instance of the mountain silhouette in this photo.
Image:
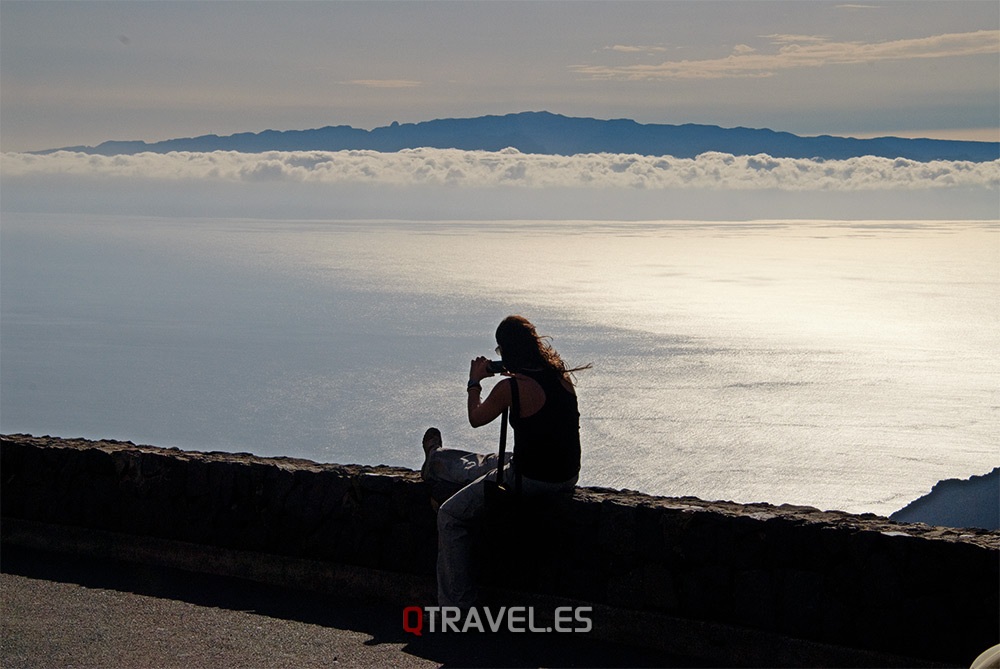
(972, 502)
(547, 133)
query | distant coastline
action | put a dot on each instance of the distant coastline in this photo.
(553, 134)
(972, 502)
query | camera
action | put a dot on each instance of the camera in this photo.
(495, 367)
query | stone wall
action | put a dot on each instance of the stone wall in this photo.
(828, 577)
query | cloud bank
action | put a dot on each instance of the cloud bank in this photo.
(481, 169)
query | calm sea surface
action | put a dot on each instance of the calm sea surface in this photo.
(845, 365)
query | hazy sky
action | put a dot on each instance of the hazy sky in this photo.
(84, 72)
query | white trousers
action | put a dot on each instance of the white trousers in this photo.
(459, 515)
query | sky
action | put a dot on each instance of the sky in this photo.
(83, 72)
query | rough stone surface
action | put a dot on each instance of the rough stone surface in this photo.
(851, 580)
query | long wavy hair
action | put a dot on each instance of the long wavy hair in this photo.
(523, 349)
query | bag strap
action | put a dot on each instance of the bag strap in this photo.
(503, 447)
(515, 407)
(515, 404)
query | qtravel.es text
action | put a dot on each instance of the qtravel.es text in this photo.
(420, 619)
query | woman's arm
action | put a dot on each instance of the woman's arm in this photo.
(483, 412)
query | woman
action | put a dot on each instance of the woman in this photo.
(546, 425)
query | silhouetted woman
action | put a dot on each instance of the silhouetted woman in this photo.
(546, 425)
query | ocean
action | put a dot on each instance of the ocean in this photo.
(839, 364)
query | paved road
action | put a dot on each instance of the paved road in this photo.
(58, 611)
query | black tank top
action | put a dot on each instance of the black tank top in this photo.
(547, 443)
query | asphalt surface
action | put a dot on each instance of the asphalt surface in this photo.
(63, 611)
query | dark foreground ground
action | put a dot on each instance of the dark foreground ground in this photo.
(61, 611)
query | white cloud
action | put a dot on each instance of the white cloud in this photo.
(805, 51)
(629, 48)
(796, 39)
(384, 83)
(481, 169)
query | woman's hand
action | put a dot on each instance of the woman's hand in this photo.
(482, 412)
(478, 369)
